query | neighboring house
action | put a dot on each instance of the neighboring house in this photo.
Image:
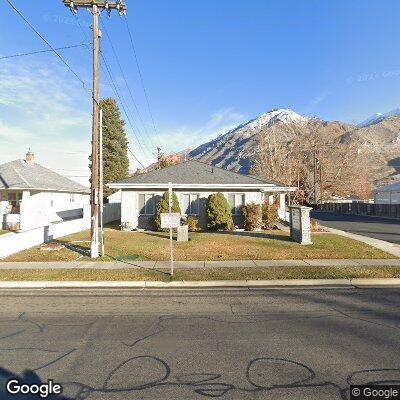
(193, 181)
(33, 196)
(114, 198)
(346, 199)
(389, 194)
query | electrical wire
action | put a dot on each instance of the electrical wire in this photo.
(42, 51)
(113, 86)
(140, 75)
(127, 85)
(123, 108)
(47, 43)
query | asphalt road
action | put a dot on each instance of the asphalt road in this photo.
(378, 228)
(237, 344)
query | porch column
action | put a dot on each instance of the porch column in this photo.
(270, 199)
(3, 204)
(25, 212)
(282, 201)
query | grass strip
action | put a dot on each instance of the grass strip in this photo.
(200, 274)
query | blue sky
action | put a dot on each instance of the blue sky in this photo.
(207, 66)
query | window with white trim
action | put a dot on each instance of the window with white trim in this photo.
(147, 204)
(72, 197)
(236, 201)
(190, 203)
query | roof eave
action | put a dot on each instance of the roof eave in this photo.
(263, 187)
(83, 191)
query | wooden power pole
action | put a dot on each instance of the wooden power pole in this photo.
(315, 175)
(96, 6)
(158, 158)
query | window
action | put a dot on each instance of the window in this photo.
(146, 204)
(72, 198)
(236, 201)
(15, 199)
(190, 204)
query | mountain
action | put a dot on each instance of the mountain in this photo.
(234, 149)
(379, 138)
(378, 117)
(381, 141)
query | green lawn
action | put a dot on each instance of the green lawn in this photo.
(207, 246)
(201, 274)
(2, 232)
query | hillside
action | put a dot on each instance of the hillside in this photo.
(379, 139)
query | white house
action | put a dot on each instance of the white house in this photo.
(193, 181)
(33, 196)
(389, 194)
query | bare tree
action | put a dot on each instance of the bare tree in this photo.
(287, 152)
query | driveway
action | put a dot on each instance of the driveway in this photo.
(240, 344)
(378, 228)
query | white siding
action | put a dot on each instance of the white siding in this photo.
(130, 218)
(38, 209)
(115, 197)
(12, 243)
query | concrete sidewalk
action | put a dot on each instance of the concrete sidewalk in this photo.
(234, 284)
(388, 247)
(201, 264)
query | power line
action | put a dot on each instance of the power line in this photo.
(127, 85)
(140, 75)
(113, 85)
(47, 43)
(42, 51)
(123, 108)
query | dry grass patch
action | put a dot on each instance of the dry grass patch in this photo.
(203, 274)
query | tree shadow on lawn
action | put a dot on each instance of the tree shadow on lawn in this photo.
(114, 225)
(76, 248)
(165, 235)
(158, 234)
(86, 252)
(259, 235)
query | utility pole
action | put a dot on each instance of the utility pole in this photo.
(315, 175)
(158, 158)
(96, 6)
(101, 191)
(321, 189)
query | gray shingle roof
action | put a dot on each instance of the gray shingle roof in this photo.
(20, 175)
(195, 172)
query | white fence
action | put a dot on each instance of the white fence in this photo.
(111, 212)
(12, 243)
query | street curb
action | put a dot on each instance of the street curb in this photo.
(310, 283)
(388, 247)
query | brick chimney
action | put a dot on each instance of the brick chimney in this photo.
(30, 158)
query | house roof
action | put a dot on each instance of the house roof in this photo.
(391, 187)
(20, 175)
(194, 173)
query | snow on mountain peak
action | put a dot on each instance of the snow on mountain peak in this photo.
(378, 117)
(286, 116)
(244, 132)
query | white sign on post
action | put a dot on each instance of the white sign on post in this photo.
(170, 220)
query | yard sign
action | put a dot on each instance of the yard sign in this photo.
(170, 220)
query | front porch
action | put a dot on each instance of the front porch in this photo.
(10, 210)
